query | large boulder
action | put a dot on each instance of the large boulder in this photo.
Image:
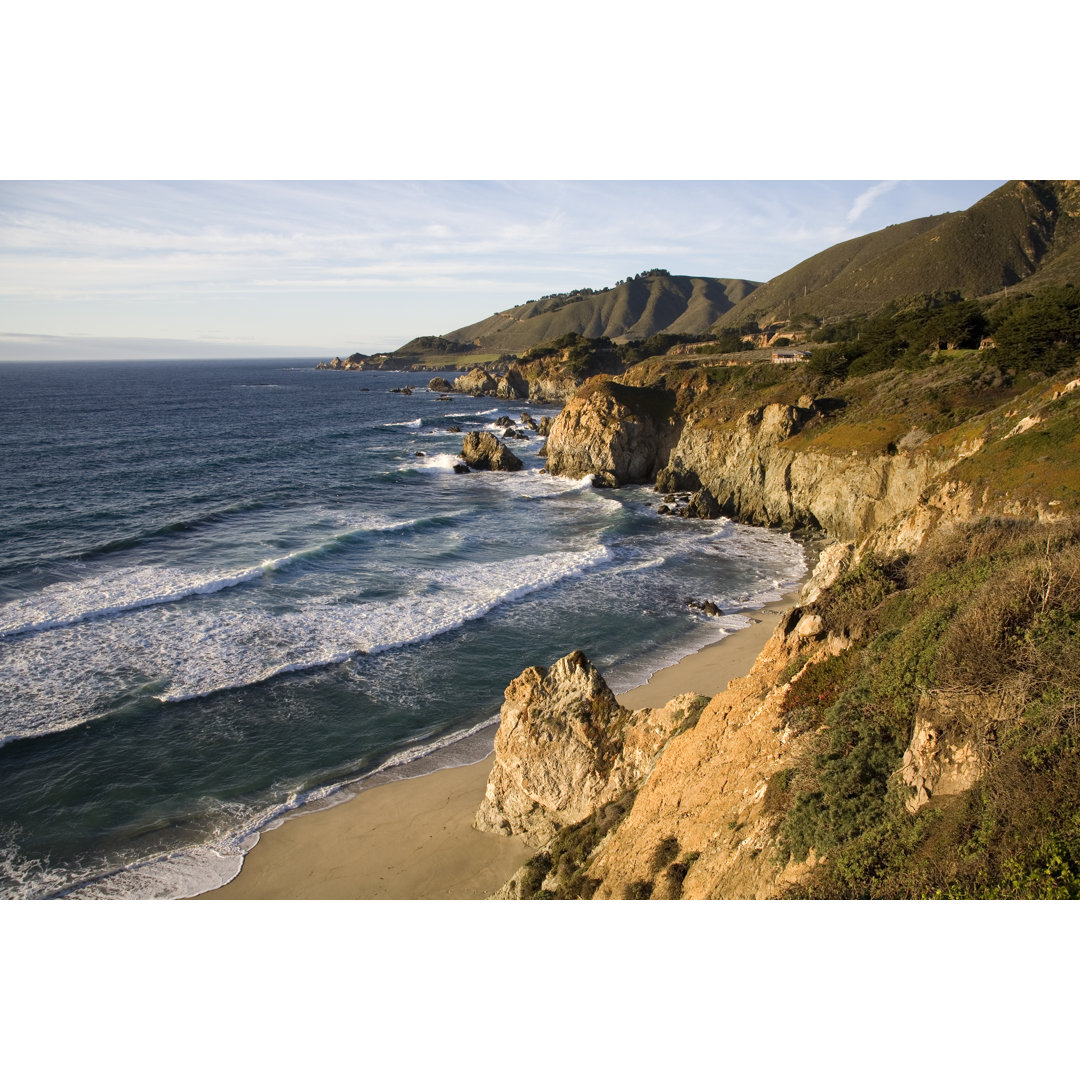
(481, 450)
(701, 505)
(439, 384)
(620, 433)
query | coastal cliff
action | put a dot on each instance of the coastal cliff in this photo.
(892, 710)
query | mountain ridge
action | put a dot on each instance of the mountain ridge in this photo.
(656, 302)
(1026, 232)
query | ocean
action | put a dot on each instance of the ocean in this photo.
(233, 589)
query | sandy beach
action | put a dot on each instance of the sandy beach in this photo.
(413, 839)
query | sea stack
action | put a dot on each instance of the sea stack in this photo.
(481, 450)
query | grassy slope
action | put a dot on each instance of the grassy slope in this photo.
(798, 288)
(1003, 239)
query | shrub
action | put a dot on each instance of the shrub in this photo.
(664, 854)
(993, 609)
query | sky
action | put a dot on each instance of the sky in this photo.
(150, 269)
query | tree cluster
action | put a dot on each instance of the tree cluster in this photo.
(1038, 332)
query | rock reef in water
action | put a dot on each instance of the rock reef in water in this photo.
(482, 450)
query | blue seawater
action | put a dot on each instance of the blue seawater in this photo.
(230, 589)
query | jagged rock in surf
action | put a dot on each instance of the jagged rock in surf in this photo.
(705, 606)
(440, 385)
(481, 450)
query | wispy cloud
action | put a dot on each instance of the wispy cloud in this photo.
(863, 202)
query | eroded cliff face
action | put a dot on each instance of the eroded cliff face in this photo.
(706, 805)
(565, 747)
(743, 463)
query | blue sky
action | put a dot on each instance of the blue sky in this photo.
(93, 270)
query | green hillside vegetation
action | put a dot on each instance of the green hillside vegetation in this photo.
(990, 612)
(1030, 332)
(582, 357)
(426, 346)
(650, 303)
(1023, 230)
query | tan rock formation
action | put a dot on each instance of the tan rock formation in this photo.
(565, 747)
(709, 796)
(948, 750)
(476, 381)
(609, 430)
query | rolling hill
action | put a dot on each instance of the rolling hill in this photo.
(649, 304)
(1027, 231)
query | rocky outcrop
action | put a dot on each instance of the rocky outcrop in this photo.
(615, 432)
(744, 465)
(565, 747)
(482, 450)
(476, 381)
(439, 385)
(513, 385)
(949, 745)
(934, 765)
(552, 385)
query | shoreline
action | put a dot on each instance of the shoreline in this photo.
(412, 839)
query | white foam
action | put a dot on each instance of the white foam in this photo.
(555, 486)
(60, 680)
(123, 589)
(325, 634)
(24, 878)
(442, 462)
(403, 423)
(129, 588)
